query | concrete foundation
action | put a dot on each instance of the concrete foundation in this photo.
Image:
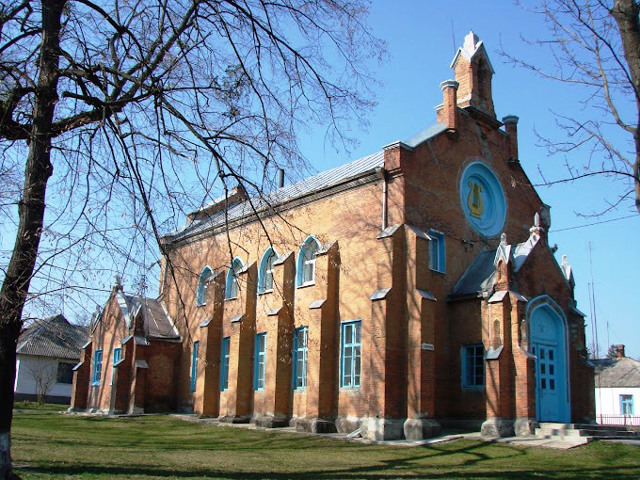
(524, 427)
(384, 429)
(421, 428)
(498, 427)
(314, 425)
(271, 421)
(235, 419)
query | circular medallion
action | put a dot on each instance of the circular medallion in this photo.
(483, 201)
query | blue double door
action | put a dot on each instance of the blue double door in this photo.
(548, 346)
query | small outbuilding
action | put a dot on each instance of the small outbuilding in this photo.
(617, 383)
(47, 353)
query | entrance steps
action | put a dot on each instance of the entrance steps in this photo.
(582, 433)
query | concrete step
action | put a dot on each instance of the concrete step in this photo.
(570, 430)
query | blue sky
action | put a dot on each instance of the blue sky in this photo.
(420, 38)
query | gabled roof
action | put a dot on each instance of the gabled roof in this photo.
(472, 46)
(156, 320)
(617, 372)
(53, 337)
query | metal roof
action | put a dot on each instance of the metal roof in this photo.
(470, 283)
(53, 337)
(283, 195)
(157, 323)
(298, 190)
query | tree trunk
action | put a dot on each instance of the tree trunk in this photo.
(626, 12)
(31, 210)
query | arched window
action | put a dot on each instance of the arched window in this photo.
(231, 290)
(307, 261)
(265, 274)
(203, 281)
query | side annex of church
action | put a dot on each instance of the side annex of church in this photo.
(409, 290)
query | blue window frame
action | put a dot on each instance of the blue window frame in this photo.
(260, 357)
(117, 356)
(300, 353)
(473, 366)
(231, 290)
(203, 282)
(437, 253)
(97, 367)
(306, 274)
(194, 365)
(626, 405)
(351, 352)
(224, 364)
(265, 274)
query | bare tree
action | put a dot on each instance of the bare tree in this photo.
(595, 45)
(138, 105)
(44, 375)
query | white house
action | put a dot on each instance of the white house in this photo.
(617, 383)
(46, 354)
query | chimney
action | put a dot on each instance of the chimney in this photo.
(450, 103)
(620, 351)
(511, 127)
(280, 177)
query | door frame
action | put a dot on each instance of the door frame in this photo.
(545, 302)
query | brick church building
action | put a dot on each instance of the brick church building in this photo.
(408, 290)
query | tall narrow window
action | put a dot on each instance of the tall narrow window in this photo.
(231, 290)
(265, 274)
(473, 366)
(203, 281)
(194, 365)
(351, 347)
(260, 357)
(437, 259)
(307, 261)
(97, 368)
(626, 405)
(224, 364)
(117, 356)
(300, 352)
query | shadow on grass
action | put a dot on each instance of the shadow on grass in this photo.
(619, 473)
(133, 446)
(405, 467)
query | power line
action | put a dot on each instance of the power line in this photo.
(591, 224)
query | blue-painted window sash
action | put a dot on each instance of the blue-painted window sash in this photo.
(224, 364)
(350, 354)
(300, 354)
(260, 359)
(194, 365)
(473, 366)
(97, 368)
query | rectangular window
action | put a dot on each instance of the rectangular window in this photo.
(437, 259)
(117, 356)
(626, 405)
(259, 374)
(97, 368)
(224, 364)
(194, 365)
(351, 348)
(65, 373)
(473, 366)
(300, 352)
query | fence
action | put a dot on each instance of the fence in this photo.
(628, 420)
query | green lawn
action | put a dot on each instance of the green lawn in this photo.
(49, 445)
